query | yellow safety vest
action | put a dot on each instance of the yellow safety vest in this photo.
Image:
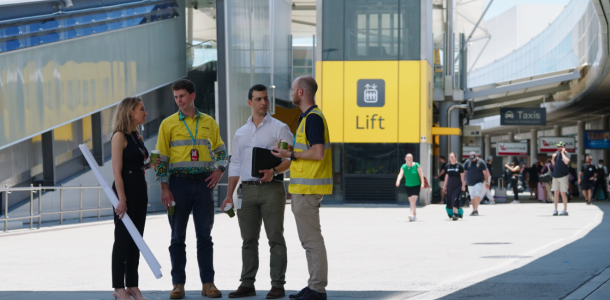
(311, 176)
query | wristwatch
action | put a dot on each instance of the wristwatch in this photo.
(275, 172)
(222, 168)
(292, 156)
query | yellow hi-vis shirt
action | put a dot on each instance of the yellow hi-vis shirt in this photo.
(311, 176)
(175, 144)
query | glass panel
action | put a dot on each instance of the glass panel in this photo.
(49, 24)
(371, 159)
(371, 33)
(332, 30)
(410, 25)
(49, 38)
(9, 31)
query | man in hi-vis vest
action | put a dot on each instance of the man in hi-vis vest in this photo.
(310, 179)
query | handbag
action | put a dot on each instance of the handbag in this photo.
(426, 184)
(464, 199)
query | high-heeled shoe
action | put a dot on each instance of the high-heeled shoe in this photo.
(132, 294)
(117, 296)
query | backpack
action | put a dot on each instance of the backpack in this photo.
(548, 176)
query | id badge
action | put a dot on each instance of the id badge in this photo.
(194, 155)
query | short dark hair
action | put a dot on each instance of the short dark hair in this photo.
(442, 157)
(184, 84)
(548, 161)
(257, 87)
(601, 160)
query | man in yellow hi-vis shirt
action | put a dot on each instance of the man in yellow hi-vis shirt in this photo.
(310, 179)
(193, 159)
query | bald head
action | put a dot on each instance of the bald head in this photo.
(304, 90)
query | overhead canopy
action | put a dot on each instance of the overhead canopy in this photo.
(467, 13)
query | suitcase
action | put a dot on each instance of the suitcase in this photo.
(500, 195)
(541, 192)
(599, 195)
(464, 199)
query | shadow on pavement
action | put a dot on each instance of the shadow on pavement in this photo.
(153, 295)
(553, 276)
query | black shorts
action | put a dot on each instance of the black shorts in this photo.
(413, 190)
(586, 185)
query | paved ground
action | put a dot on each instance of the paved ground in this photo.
(511, 251)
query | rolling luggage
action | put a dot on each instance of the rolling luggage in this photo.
(464, 199)
(500, 195)
(541, 192)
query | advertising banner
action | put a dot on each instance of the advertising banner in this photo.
(523, 116)
(511, 149)
(546, 144)
(466, 151)
(597, 139)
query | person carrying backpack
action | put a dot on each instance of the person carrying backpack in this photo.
(546, 177)
(476, 178)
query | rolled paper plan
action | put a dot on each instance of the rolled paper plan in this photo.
(154, 265)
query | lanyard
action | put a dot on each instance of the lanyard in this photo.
(196, 130)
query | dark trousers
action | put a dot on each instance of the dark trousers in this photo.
(515, 187)
(601, 184)
(192, 196)
(125, 252)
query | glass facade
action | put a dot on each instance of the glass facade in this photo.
(371, 30)
(572, 40)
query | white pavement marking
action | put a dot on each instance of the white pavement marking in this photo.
(374, 253)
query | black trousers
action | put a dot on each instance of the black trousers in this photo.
(515, 187)
(125, 253)
(601, 184)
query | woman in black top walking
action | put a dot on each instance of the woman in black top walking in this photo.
(128, 157)
(514, 170)
(455, 184)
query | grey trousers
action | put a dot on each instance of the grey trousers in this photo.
(263, 204)
(306, 210)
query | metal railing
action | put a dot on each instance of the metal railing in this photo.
(38, 190)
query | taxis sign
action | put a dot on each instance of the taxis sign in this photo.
(523, 116)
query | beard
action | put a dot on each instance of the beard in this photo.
(296, 101)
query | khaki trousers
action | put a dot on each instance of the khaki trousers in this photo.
(263, 203)
(306, 210)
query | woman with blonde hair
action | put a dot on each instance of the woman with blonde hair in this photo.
(414, 181)
(128, 165)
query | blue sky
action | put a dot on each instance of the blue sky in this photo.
(500, 6)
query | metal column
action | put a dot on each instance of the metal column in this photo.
(533, 146)
(580, 145)
(453, 140)
(48, 159)
(511, 138)
(221, 78)
(556, 130)
(96, 137)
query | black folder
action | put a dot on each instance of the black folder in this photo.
(262, 159)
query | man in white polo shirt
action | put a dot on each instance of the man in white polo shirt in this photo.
(264, 200)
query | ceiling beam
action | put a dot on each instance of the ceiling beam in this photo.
(561, 88)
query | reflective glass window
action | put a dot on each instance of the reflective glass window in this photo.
(410, 29)
(10, 45)
(332, 29)
(372, 30)
(9, 31)
(115, 25)
(115, 14)
(29, 28)
(83, 31)
(96, 17)
(49, 37)
(371, 159)
(29, 41)
(99, 28)
(80, 20)
(67, 34)
(49, 24)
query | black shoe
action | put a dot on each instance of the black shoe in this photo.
(312, 295)
(299, 294)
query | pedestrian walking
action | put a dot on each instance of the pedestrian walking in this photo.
(441, 177)
(311, 178)
(532, 179)
(414, 181)
(523, 175)
(193, 159)
(128, 165)
(515, 170)
(586, 178)
(263, 200)
(476, 178)
(560, 161)
(547, 171)
(488, 194)
(455, 185)
(600, 180)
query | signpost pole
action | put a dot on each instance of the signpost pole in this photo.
(533, 146)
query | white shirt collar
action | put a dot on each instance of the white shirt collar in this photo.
(267, 118)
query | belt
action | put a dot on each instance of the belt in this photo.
(198, 176)
(133, 171)
(255, 182)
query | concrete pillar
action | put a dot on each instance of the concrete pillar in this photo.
(580, 145)
(511, 139)
(556, 130)
(533, 146)
(96, 137)
(487, 146)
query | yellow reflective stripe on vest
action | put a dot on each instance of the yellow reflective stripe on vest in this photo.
(198, 142)
(306, 181)
(303, 147)
(192, 164)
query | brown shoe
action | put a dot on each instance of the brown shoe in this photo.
(243, 291)
(209, 290)
(276, 293)
(177, 292)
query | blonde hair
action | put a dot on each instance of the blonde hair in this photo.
(121, 121)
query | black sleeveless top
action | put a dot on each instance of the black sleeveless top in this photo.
(134, 154)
